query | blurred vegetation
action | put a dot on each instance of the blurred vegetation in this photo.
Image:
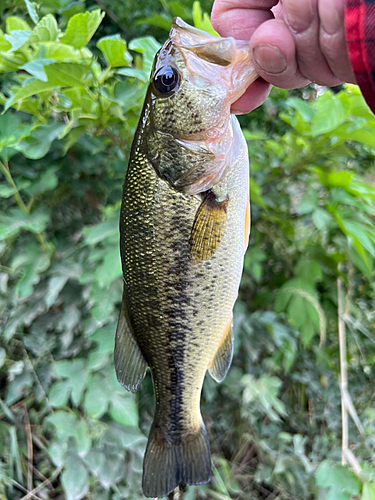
(72, 85)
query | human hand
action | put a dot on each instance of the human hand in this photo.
(293, 43)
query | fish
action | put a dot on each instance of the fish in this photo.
(184, 228)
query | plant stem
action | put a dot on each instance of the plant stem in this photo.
(4, 168)
(12, 184)
(343, 370)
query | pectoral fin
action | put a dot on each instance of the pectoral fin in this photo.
(208, 228)
(222, 360)
(129, 362)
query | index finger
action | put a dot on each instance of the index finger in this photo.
(240, 18)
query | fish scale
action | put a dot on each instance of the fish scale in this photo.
(177, 305)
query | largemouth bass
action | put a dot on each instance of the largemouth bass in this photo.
(184, 228)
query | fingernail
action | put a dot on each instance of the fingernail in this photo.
(329, 16)
(299, 14)
(269, 58)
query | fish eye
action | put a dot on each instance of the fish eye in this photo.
(166, 80)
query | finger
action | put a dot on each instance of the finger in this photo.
(254, 96)
(274, 55)
(302, 18)
(332, 39)
(240, 18)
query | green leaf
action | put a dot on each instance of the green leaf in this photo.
(97, 398)
(341, 481)
(306, 111)
(102, 231)
(147, 46)
(36, 68)
(64, 53)
(4, 44)
(81, 28)
(32, 265)
(134, 73)
(161, 20)
(59, 75)
(75, 478)
(368, 492)
(31, 9)
(36, 146)
(55, 285)
(2, 356)
(58, 394)
(7, 191)
(114, 50)
(322, 219)
(331, 113)
(17, 39)
(110, 269)
(45, 31)
(17, 220)
(123, 409)
(48, 179)
(16, 23)
(202, 21)
(75, 372)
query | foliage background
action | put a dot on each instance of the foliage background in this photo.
(72, 86)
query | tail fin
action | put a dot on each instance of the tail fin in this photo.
(168, 464)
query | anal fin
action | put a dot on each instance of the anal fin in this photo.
(208, 228)
(129, 362)
(222, 360)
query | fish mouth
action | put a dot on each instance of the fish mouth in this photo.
(229, 59)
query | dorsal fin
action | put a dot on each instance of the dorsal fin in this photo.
(208, 228)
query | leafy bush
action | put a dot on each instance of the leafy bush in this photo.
(71, 101)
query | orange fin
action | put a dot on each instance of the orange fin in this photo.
(222, 360)
(129, 362)
(208, 228)
(247, 225)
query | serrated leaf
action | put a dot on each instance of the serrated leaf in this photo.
(64, 53)
(59, 75)
(74, 479)
(114, 50)
(45, 31)
(81, 28)
(341, 481)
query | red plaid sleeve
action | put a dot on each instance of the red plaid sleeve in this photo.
(360, 38)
